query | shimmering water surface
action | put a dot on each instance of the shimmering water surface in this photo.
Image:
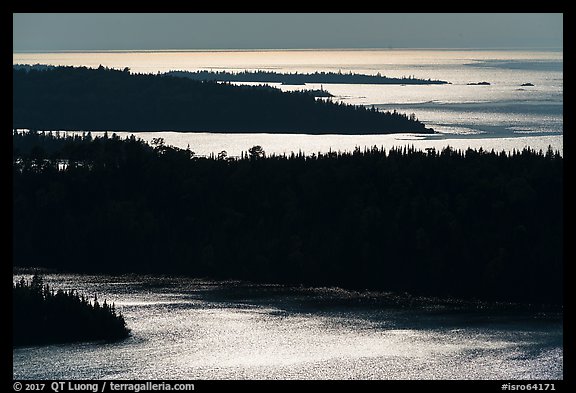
(503, 116)
(194, 329)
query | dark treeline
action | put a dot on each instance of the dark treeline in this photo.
(36, 67)
(300, 79)
(41, 315)
(68, 98)
(471, 224)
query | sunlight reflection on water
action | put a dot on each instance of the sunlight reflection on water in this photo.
(191, 329)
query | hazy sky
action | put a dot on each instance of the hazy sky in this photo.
(48, 31)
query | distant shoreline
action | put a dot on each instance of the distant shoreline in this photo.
(538, 49)
(262, 76)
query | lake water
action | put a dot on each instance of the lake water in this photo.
(194, 329)
(502, 116)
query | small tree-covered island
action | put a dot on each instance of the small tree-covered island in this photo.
(80, 98)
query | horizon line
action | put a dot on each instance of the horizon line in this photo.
(280, 50)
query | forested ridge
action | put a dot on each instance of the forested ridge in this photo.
(80, 98)
(471, 224)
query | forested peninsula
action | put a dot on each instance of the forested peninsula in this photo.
(80, 98)
(41, 315)
(468, 224)
(302, 78)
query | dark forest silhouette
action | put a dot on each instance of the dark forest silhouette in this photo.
(301, 78)
(471, 224)
(41, 315)
(69, 98)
